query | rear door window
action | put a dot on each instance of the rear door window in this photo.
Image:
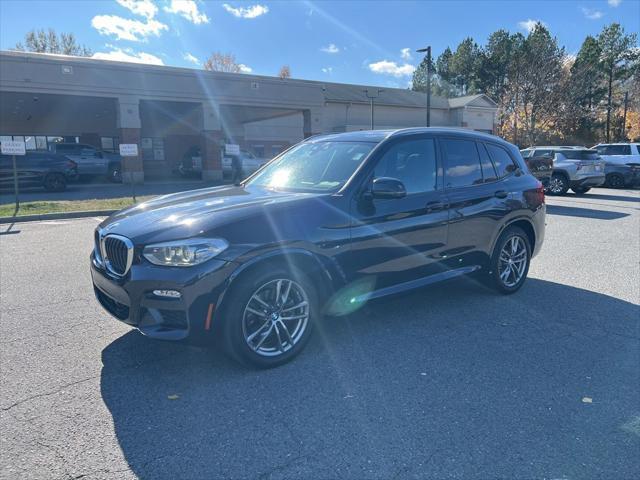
(462, 163)
(614, 149)
(501, 159)
(581, 154)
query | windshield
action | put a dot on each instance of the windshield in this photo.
(320, 166)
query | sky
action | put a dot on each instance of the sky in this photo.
(366, 42)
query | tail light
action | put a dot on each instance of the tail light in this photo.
(540, 192)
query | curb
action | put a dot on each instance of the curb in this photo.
(56, 216)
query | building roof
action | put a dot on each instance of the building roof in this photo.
(344, 92)
(479, 100)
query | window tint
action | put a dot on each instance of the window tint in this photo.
(413, 162)
(614, 150)
(526, 153)
(580, 154)
(87, 152)
(501, 159)
(462, 166)
(488, 172)
(540, 153)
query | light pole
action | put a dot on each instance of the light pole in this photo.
(428, 51)
(371, 97)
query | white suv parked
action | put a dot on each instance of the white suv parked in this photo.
(619, 153)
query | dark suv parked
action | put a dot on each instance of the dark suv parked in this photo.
(37, 169)
(328, 225)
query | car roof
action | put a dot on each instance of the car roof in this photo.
(377, 136)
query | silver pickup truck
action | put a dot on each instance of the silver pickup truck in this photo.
(91, 161)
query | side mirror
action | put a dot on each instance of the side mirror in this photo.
(387, 187)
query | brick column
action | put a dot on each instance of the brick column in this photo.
(132, 168)
(311, 122)
(211, 158)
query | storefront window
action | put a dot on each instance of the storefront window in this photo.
(41, 143)
(30, 143)
(107, 143)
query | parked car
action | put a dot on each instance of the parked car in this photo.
(332, 223)
(540, 164)
(37, 169)
(573, 167)
(622, 163)
(91, 161)
(619, 153)
(250, 163)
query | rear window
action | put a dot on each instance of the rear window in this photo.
(580, 154)
(501, 159)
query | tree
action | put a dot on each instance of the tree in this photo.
(285, 72)
(222, 62)
(464, 66)
(618, 60)
(39, 41)
(440, 85)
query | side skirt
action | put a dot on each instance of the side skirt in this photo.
(418, 283)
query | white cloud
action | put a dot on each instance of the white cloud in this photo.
(405, 53)
(331, 48)
(192, 58)
(246, 12)
(392, 68)
(127, 29)
(327, 70)
(187, 9)
(614, 3)
(145, 8)
(244, 68)
(529, 24)
(592, 14)
(128, 55)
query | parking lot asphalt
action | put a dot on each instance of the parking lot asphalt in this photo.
(453, 381)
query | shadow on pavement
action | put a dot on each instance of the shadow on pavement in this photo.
(617, 198)
(584, 212)
(454, 381)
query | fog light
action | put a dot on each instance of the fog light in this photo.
(167, 293)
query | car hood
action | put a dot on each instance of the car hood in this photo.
(196, 212)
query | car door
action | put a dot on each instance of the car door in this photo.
(399, 240)
(478, 198)
(91, 161)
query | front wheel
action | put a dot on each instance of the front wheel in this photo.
(510, 261)
(270, 317)
(615, 180)
(558, 185)
(580, 190)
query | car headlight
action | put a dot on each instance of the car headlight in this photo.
(184, 253)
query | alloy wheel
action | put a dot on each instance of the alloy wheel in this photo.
(556, 185)
(276, 317)
(512, 262)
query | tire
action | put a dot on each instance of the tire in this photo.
(55, 182)
(115, 174)
(513, 281)
(615, 180)
(580, 190)
(558, 185)
(247, 321)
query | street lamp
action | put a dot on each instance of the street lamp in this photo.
(428, 51)
(377, 93)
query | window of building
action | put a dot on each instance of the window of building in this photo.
(462, 166)
(107, 143)
(258, 151)
(413, 162)
(41, 143)
(501, 159)
(30, 143)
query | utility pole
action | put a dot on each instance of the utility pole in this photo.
(624, 117)
(371, 98)
(428, 51)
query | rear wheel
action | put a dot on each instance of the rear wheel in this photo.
(580, 190)
(269, 318)
(55, 182)
(615, 180)
(510, 261)
(558, 185)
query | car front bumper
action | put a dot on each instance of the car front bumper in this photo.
(131, 300)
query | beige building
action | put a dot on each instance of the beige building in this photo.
(167, 110)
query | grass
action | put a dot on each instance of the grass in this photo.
(38, 208)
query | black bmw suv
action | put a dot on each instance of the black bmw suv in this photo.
(326, 226)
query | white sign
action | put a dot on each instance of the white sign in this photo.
(231, 149)
(13, 148)
(128, 149)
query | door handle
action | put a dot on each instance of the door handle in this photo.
(501, 194)
(435, 206)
